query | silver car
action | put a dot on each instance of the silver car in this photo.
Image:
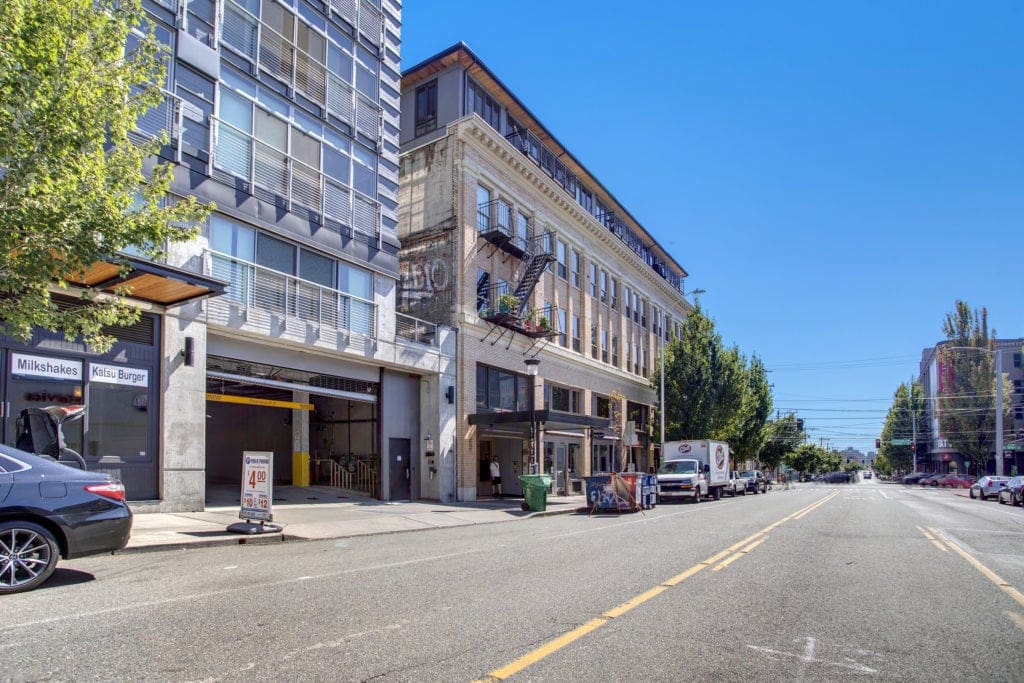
(988, 486)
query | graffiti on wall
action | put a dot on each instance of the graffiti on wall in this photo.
(426, 289)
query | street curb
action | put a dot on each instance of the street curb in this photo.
(283, 536)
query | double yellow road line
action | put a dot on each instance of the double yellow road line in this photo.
(717, 562)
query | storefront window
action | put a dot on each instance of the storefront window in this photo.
(118, 412)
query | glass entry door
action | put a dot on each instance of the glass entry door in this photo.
(33, 381)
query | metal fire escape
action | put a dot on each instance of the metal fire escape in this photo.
(506, 309)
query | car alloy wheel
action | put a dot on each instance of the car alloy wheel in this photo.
(28, 555)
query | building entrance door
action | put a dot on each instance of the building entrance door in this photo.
(399, 451)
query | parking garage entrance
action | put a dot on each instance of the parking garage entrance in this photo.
(322, 429)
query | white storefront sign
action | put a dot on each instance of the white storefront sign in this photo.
(118, 374)
(23, 365)
(257, 485)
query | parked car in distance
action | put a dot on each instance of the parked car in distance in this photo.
(917, 477)
(930, 480)
(737, 486)
(837, 478)
(867, 474)
(48, 511)
(988, 486)
(954, 481)
(1013, 492)
(754, 481)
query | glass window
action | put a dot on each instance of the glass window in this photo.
(275, 254)
(614, 294)
(575, 269)
(560, 251)
(367, 67)
(364, 171)
(576, 333)
(604, 287)
(356, 281)
(522, 229)
(593, 341)
(483, 208)
(604, 346)
(119, 421)
(563, 329)
(316, 268)
(426, 108)
(593, 280)
(233, 239)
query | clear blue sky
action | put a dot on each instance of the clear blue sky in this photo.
(835, 174)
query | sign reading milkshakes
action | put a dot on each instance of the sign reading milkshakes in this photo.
(24, 365)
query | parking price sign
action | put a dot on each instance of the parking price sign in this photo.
(257, 485)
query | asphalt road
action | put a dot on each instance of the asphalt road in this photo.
(820, 582)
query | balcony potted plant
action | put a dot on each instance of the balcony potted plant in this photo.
(543, 324)
(507, 303)
(530, 320)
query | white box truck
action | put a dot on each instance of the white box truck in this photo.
(693, 469)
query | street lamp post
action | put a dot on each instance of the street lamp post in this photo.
(532, 368)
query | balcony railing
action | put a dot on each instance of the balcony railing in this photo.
(414, 329)
(499, 305)
(530, 145)
(257, 287)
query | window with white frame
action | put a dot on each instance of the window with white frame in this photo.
(576, 333)
(560, 253)
(575, 269)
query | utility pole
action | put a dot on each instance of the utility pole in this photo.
(913, 428)
(999, 412)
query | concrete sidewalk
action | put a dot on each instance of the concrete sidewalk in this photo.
(321, 513)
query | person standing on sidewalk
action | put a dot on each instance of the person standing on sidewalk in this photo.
(495, 477)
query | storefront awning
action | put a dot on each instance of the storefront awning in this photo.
(149, 281)
(549, 420)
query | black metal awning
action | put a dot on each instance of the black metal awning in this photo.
(148, 281)
(549, 420)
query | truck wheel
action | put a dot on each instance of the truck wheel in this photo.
(744, 491)
(696, 498)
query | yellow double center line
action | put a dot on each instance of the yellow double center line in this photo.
(717, 561)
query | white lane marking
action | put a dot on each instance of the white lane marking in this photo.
(1017, 619)
(233, 566)
(884, 495)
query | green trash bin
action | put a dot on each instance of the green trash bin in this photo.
(535, 491)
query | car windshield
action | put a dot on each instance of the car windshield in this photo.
(748, 474)
(678, 467)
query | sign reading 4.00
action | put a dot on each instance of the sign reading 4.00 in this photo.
(257, 485)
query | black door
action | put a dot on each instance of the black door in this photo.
(400, 468)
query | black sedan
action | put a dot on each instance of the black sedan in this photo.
(837, 478)
(1013, 492)
(49, 511)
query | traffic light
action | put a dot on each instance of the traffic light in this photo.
(878, 443)
(913, 448)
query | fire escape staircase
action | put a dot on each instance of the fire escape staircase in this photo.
(508, 318)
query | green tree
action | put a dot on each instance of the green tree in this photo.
(966, 401)
(907, 406)
(783, 437)
(704, 382)
(749, 432)
(72, 189)
(882, 465)
(806, 458)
